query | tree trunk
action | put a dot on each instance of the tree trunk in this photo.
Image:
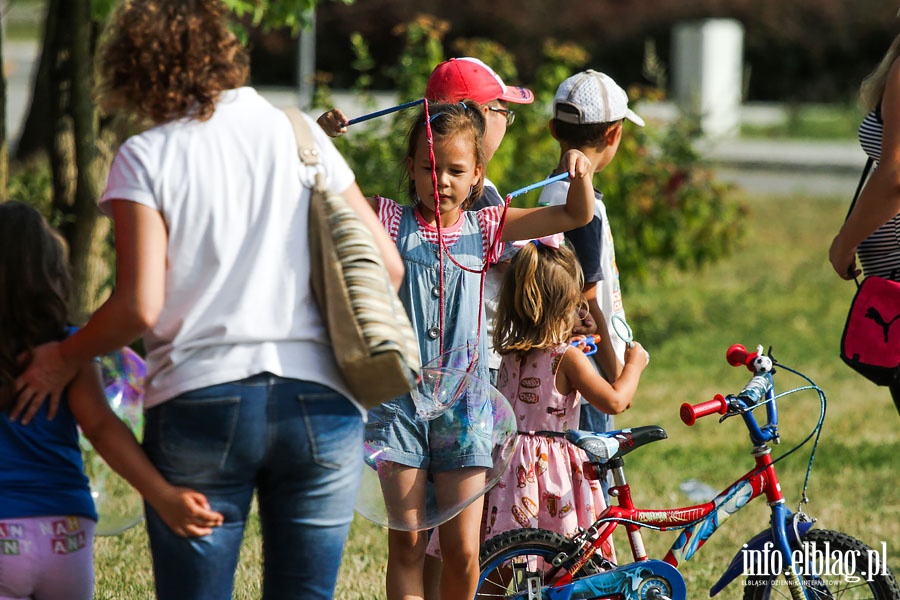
(72, 148)
(90, 271)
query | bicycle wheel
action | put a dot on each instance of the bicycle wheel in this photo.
(519, 560)
(838, 572)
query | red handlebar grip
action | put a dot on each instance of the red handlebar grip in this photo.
(737, 355)
(690, 413)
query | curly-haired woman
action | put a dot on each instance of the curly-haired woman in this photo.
(210, 216)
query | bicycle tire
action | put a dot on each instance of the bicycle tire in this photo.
(510, 560)
(836, 581)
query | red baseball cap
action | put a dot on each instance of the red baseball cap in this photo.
(468, 78)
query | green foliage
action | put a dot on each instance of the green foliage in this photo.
(528, 153)
(101, 9)
(665, 207)
(376, 150)
(32, 184)
(291, 14)
(421, 52)
(266, 14)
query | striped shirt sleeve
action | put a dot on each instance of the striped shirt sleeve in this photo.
(489, 220)
(389, 213)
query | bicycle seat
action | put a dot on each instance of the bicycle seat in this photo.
(603, 446)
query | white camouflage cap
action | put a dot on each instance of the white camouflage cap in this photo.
(589, 98)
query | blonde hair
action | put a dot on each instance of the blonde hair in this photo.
(539, 297)
(872, 88)
(162, 60)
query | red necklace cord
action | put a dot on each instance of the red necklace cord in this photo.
(493, 246)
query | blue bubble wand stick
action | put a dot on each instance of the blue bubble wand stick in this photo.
(385, 111)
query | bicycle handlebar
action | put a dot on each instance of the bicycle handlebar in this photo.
(691, 412)
(759, 390)
(738, 355)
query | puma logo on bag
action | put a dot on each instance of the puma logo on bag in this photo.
(872, 313)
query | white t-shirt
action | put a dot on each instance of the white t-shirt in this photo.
(231, 192)
(596, 250)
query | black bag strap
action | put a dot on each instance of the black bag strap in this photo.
(859, 187)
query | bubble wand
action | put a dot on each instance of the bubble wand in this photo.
(537, 185)
(385, 111)
(623, 329)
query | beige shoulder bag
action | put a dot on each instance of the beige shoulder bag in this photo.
(371, 335)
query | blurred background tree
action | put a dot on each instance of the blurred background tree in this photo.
(665, 206)
(797, 51)
(63, 131)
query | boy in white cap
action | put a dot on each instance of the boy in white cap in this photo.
(589, 111)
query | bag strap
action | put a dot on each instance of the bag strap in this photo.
(859, 187)
(306, 145)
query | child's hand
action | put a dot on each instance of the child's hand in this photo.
(586, 343)
(187, 512)
(637, 356)
(333, 122)
(584, 323)
(577, 164)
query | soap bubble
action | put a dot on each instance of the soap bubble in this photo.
(437, 390)
(119, 506)
(402, 498)
(443, 381)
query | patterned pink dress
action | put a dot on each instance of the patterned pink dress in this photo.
(544, 485)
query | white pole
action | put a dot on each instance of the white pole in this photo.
(306, 61)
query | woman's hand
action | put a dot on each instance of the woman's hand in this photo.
(46, 374)
(333, 122)
(187, 512)
(843, 260)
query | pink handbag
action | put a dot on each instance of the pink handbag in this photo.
(870, 344)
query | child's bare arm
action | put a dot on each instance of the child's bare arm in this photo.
(576, 371)
(529, 223)
(185, 511)
(333, 122)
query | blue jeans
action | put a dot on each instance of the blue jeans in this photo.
(297, 444)
(593, 419)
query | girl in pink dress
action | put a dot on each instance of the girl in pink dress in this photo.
(544, 377)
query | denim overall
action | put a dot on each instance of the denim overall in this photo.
(448, 441)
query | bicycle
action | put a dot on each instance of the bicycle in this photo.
(789, 558)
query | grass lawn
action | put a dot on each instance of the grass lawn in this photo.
(810, 122)
(779, 290)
